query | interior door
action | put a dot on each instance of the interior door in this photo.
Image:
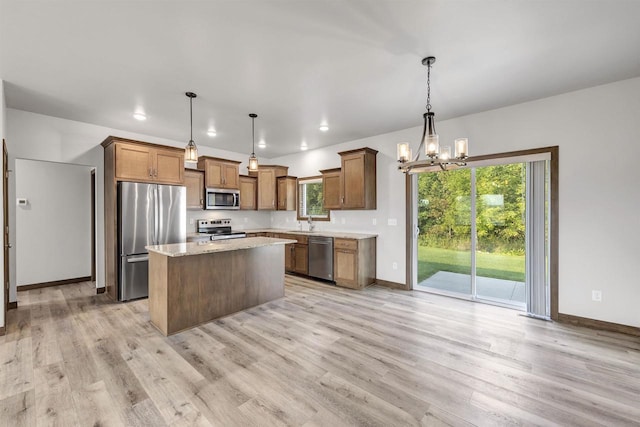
(7, 245)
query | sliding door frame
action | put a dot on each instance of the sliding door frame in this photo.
(411, 225)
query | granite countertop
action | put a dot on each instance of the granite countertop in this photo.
(198, 248)
(334, 234)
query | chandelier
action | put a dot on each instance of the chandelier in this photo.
(437, 158)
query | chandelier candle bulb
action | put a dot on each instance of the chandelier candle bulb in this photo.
(432, 145)
(445, 153)
(404, 152)
(462, 148)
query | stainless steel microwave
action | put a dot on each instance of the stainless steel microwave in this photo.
(222, 198)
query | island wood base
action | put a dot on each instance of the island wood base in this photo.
(186, 291)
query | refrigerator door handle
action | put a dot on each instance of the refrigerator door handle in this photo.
(156, 208)
(141, 258)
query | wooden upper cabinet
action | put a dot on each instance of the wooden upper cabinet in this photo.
(143, 162)
(267, 185)
(133, 162)
(219, 173)
(194, 181)
(287, 193)
(331, 188)
(248, 192)
(358, 179)
(168, 166)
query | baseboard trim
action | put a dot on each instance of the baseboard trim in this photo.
(599, 324)
(101, 290)
(392, 285)
(2, 331)
(12, 305)
(54, 283)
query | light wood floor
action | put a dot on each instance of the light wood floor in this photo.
(322, 356)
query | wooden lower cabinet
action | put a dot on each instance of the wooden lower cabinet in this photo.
(301, 258)
(289, 257)
(354, 262)
(345, 267)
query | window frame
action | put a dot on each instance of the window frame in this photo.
(310, 180)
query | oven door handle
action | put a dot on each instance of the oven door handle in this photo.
(236, 199)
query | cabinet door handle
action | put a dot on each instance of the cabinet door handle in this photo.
(150, 172)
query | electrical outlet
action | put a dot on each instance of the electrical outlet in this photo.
(190, 221)
(392, 221)
(333, 220)
(394, 265)
(343, 221)
(596, 295)
(246, 219)
(374, 221)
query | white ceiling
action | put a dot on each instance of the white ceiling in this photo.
(355, 64)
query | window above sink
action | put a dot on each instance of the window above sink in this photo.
(310, 199)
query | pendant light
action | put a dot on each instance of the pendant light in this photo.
(253, 160)
(436, 155)
(191, 151)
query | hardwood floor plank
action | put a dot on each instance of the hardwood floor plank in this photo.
(53, 395)
(16, 373)
(172, 403)
(321, 355)
(18, 410)
(94, 406)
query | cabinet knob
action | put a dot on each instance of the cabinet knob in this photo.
(150, 172)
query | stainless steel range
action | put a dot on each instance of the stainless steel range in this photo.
(219, 229)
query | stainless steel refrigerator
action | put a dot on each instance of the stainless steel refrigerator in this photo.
(148, 214)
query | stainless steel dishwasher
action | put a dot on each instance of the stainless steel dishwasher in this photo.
(321, 257)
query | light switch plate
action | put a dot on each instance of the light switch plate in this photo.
(374, 221)
(392, 221)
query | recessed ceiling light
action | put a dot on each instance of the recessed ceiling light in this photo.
(303, 146)
(324, 127)
(262, 144)
(139, 116)
(211, 133)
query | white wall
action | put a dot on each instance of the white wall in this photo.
(53, 230)
(598, 133)
(38, 137)
(3, 121)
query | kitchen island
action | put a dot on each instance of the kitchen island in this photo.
(194, 283)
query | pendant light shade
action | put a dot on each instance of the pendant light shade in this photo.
(253, 160)
(191, 150)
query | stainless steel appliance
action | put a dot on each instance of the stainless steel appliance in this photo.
(148, 214)
(222, 198)
(219, 229)
(321, 257)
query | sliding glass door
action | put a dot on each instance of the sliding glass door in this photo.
(500, 230)
(444, 240)
(473, 232)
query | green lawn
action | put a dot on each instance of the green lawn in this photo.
(498, 266)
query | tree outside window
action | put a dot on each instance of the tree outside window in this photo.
(310, 199)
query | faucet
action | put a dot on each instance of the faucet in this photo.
(312, 226)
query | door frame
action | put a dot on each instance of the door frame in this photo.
(5, 225)
(93, 224)
(411, 220)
